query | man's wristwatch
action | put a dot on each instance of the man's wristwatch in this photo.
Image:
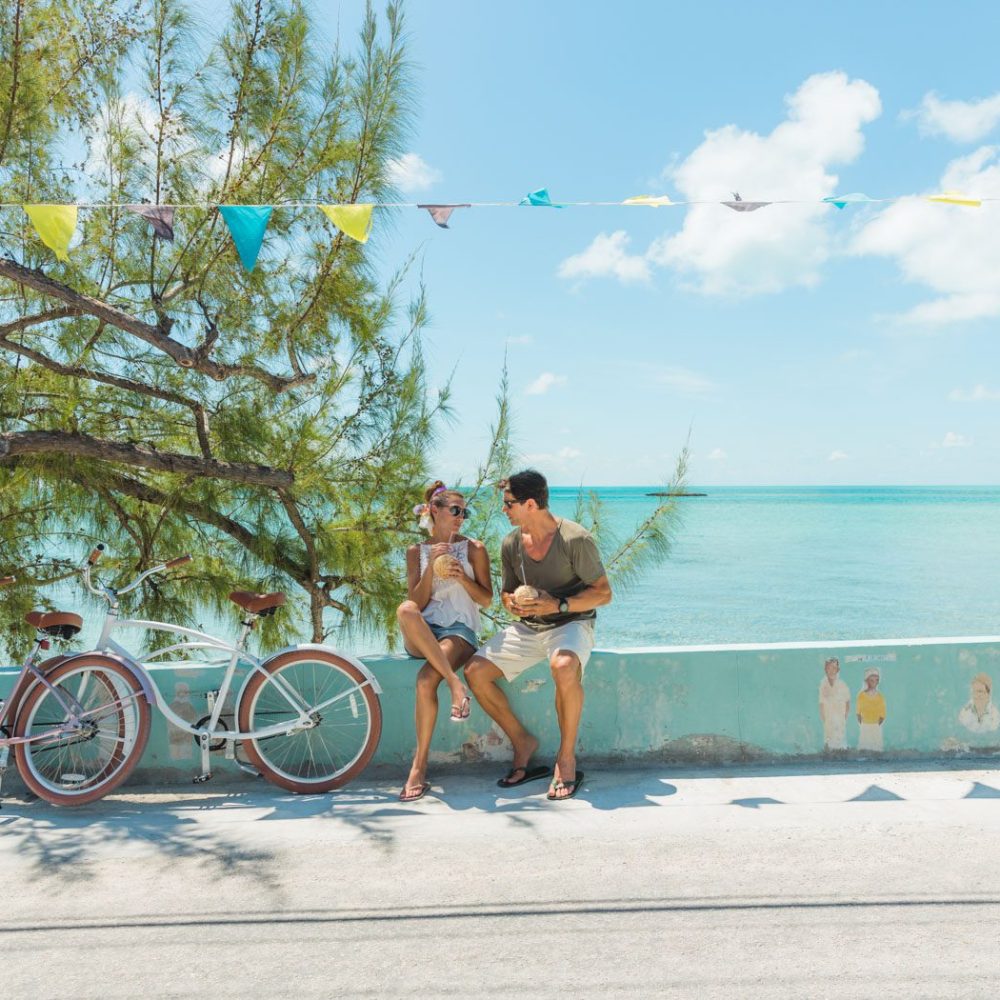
(563, 605)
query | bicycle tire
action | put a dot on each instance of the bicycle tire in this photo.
(342, 743)
(82, 768)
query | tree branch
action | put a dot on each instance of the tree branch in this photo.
(155, 336)
(33, 442)
(208, 515)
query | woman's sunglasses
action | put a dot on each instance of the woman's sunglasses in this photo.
(456, 511)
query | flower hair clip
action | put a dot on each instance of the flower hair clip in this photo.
(423, 512)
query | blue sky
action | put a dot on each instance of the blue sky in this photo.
(800, 344)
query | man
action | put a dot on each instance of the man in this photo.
(560, 560)
(834, 704)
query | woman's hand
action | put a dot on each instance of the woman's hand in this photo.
(440, 549)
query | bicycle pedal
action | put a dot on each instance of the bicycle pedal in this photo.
(200, 779)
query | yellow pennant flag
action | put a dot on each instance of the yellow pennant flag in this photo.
(55, 225)
(355, 220)
(654, 200)
(955, 198)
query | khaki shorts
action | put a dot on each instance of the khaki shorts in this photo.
(518, 647)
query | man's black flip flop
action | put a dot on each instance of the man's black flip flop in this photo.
(529, 774)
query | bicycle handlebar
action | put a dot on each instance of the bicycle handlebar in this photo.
(110, 594)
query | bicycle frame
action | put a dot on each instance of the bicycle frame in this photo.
(193, 640)
(32, 673)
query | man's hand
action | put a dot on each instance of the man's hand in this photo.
(511, 605)
(543, 604)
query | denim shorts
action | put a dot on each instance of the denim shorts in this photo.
(457, 629)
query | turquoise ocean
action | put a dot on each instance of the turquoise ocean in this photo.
(785, 564)
(782, 564)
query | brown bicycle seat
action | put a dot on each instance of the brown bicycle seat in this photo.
(257, 604)
(62, 624)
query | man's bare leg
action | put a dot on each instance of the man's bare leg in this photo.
(568, 679)
(482, 677)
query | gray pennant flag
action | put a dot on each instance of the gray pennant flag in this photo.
(160, 217)
(739, 205)
(442, 213)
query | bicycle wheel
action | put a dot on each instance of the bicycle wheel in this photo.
(73, 767)
(345, 710)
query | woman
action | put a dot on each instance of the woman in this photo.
(448, 581)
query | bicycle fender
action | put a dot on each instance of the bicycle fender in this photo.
(140, 674)
(352, 660)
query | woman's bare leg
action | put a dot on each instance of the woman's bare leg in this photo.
(419, 640)
(425, 712)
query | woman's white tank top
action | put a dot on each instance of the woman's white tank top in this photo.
(450, 602)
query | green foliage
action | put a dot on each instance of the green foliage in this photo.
(304, 371)
(626, 560)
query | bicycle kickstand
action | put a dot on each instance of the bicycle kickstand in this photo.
(206, 766)
(4, 754)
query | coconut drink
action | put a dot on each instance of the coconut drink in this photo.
(443, 566)
(525, 593)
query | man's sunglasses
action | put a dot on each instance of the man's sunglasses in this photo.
(507, 504)
(456, 511)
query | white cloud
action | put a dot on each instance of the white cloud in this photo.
(520, 341)
(136, 119)
(686, 383)
(960, 121)
(978, 394)
(953, 250)
(544, 382)
(606, 257)
(563, 457)
(410, 172)
(726, 252)
(953, 440)
(717, 455)
(838, 456)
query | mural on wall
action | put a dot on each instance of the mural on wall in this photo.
(834, 705)
(180, 743)
(870, 709)
(980, 715)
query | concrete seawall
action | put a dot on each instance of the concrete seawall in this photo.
(690, 704)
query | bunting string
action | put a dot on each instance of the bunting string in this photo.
(56, 224)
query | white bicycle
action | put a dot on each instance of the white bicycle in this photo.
(308, 717)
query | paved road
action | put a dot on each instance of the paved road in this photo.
(653, 882)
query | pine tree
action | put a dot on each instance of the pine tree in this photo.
(156, 396)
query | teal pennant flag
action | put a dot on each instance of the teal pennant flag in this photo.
(842, 200)
(247, 224)
(539, 199)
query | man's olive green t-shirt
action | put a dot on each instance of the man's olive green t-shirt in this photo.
(572, 564)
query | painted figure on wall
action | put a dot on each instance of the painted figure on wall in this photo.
(834, 704)
(980, 715)
(870, 708)
(180, 742)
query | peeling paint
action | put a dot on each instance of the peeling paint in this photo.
(531, 687)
